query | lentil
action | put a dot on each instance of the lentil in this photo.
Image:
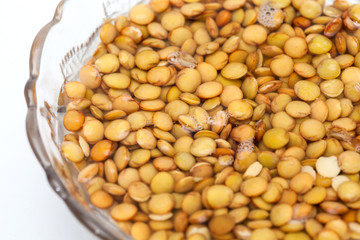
(89, 75)
(329, 69)
(296, 47)
(123, 212)
(101, 199)
(349, 191)
(306, 90)
(107, 63)
(276, 138)
(327, 167)
(281, 214)
(320, 45)
(248, 114)
(141, 14)
(282, 65)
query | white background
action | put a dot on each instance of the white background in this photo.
(29, 208)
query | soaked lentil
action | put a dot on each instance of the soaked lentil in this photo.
(232, 119)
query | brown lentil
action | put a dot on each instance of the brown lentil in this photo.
(296, 47)
(89, 75)
(141, 14)
(282, 65)
(203, 121)
(101, 199)
(123, 212)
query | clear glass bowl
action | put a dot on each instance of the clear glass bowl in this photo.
(58, 52)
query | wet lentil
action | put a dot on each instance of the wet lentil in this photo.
(203, 121)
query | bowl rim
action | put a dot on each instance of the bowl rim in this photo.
(33, 134)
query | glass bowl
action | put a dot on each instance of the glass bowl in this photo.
(59, 50)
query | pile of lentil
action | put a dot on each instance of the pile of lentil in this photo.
(226, 119)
